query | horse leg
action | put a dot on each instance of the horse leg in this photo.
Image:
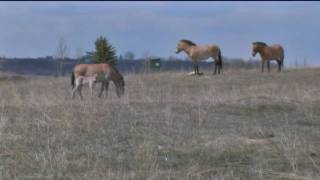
(79, 91)
(262, 68)
(195, 69)
(91, 88)
(215, 68)
(198, 70)
(101, 89)
(219, 67)
(279, 65)
(268, 64)
(73, 91)
(198, 73)
(107, 88)
(76, 88)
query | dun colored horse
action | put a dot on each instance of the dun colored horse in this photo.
(198, 53)
(269, 53)
(93, 73)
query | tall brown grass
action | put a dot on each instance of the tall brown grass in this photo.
(239, 125)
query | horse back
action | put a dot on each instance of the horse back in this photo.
(91, 69)
(205, 51)
(80, 69)
(277, 49)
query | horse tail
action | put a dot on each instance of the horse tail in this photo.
(72, 79)
(282, 57)
(220, 58)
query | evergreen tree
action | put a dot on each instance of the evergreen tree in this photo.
(104, 52)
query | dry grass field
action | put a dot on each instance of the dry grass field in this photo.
(241, 125)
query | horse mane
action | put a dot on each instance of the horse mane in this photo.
(188, 42)
(259, 43)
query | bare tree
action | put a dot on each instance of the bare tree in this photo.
(146, 57)
(60, 55)
(305, 62)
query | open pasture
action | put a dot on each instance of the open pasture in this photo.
(239, 125)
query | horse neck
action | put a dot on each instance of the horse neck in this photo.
(188, 49)
(261, 50)
(114, 77)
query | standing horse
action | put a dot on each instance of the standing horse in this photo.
(269, 53)
(93, 73)
(198, 53)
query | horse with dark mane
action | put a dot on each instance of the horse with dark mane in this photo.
(93, 73)
(269, 53)
(199, 53)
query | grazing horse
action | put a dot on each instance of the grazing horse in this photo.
(93, 73)
(268, 53)
(198, 53)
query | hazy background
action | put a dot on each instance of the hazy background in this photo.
(33, 29)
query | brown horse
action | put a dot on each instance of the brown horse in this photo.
(93, 73)
(269, 53)
(198, 53)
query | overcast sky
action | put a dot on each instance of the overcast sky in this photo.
(33, 29)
